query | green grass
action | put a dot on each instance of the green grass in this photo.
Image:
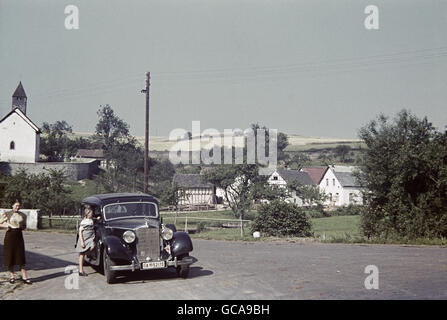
(336, 227)
(83, 189)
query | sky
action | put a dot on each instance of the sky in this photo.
(307, 67)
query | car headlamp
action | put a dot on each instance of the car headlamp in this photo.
(167, 233)
(129, 236)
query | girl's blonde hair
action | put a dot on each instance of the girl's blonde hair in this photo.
(87, 210)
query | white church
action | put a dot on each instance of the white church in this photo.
(19, 136)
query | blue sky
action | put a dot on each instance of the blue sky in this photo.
(303, 67)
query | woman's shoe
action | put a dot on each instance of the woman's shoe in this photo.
(27, 281)
(12, 280)
(83, 274)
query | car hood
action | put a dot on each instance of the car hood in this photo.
(131, 224)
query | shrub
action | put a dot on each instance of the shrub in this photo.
(279, 218)
(350, 210)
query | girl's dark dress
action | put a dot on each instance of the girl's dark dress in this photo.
(14, 245)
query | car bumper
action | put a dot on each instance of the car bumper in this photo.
(171, 263)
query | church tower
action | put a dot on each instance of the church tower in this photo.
(19, 98)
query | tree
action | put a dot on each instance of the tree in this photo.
(110, 131)
(310, 194)
(242, 185)
(124, 157)
(54, 142)
(342, 151)
(297, 161)
(279, 218)
(404, 171)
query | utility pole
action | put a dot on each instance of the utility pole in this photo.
(146, 135)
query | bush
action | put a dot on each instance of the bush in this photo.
(351, 210)
(201, 227)
(279, 218)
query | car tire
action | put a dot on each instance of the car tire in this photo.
(110, 275)
(183, 271)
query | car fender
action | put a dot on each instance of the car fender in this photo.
(115, 248)
(181, 243)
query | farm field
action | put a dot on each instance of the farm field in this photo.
(296, 142)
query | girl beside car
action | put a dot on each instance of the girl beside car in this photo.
(86, 236)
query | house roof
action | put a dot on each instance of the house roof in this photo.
(24, 117)
(315, 173)
(346, 179)
(291, 175)
(191, 181)
(345, 175)
(87, 153)
(20, 92)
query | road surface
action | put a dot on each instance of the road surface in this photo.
(228, 270)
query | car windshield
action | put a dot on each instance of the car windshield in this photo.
(130, 209)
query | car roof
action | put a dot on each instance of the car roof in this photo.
(103, 199)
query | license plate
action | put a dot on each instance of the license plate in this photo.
(153, 265)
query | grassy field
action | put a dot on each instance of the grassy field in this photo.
(296, 142)
(336, 227)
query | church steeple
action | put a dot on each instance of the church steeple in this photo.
(19, 98)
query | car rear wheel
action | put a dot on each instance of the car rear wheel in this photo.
(110, 275)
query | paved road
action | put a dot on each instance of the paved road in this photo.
(243, 270)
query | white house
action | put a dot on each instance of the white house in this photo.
(19, 136)
(341, 186)
(283, 177)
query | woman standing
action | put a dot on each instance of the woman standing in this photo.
(14, 246)
(85, 241)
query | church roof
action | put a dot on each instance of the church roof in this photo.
(24, 117)
(20, 92)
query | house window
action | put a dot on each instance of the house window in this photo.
(12, 145)
(336, 197)
(327, 182)
(333, 182)
(275, 178)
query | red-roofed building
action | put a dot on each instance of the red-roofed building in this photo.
(315, 173)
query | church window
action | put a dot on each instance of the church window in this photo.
(12, 145)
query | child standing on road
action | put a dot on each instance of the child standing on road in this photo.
(86, 238)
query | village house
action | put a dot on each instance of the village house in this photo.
(315, 173)
(341, 186)
(88, 154)
(284, 177)
(198, 194)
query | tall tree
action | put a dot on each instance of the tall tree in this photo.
(404, 171)
(110, 131)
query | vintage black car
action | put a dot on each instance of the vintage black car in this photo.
(130, 235)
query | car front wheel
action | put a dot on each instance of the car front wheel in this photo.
(109, 274)
(183, 270)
